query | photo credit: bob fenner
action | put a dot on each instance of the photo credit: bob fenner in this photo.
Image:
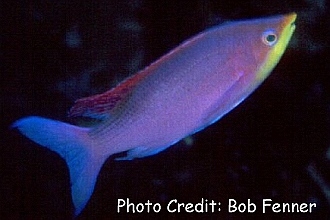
(211, 206)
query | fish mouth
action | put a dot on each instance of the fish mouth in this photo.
(290, 19)
(293, 26)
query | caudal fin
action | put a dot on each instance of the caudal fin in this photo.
(74, 145)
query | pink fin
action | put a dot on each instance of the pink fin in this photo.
(101, 106)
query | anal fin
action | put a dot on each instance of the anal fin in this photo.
(140, 152)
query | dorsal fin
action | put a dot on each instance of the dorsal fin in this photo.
(100, 106)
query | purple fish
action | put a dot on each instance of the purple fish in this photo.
(184, 91)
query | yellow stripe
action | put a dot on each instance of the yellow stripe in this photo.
(278, 49)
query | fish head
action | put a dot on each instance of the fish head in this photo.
(254, 47)
(274, 36)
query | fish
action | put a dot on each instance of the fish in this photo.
(186, 90)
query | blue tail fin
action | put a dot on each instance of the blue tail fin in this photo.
(74, 145)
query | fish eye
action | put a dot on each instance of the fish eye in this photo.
(269, 37)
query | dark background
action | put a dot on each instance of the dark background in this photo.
(274, 145)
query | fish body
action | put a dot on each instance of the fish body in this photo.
(184, 91)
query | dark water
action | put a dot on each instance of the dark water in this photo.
(273, 146)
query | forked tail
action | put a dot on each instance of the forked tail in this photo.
(74, 145)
